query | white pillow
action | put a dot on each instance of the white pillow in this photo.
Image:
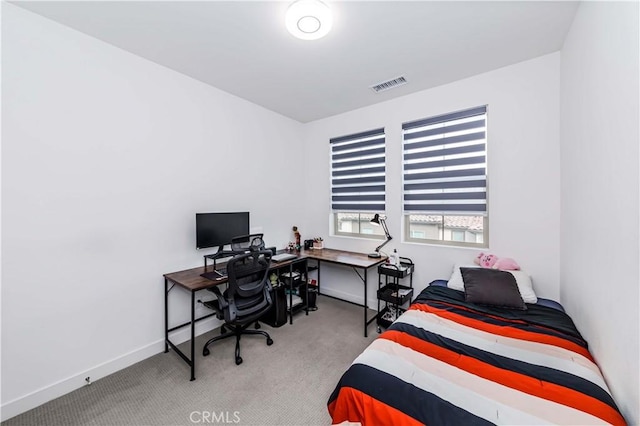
(455, 282)
(525, 286)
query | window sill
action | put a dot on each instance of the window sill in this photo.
(445, 245)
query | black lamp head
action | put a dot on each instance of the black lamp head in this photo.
(376, 219)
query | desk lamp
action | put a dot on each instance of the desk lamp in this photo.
(379, 220)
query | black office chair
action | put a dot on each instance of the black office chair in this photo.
(246, 299)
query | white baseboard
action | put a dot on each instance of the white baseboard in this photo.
(47, 393)
(350, 297)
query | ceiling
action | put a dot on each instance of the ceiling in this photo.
(243, 47)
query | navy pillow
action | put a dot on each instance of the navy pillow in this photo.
(491, 287)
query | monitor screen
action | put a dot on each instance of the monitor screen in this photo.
(217, 229)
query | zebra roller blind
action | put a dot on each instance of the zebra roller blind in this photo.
(358, 172)
(445, 164)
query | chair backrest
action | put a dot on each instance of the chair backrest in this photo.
(249, 293)
(244, 243)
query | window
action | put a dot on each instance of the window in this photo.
(457, 235)
(445, 179)
(417, 234)
(358, 182)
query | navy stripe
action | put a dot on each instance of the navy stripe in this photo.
(446, 151)
(477, 136)
(370, 179)
(546, 374)
(360, 153)
(365, 188)
(445, 117)
(350, 172)
(357, 145)
(446, 129)
(447, 196)
(549, 321)
(417, 403)
(480, 183)
(479, 172)
(374, 160)
(480, 159)
(369, 197)
(358, 135)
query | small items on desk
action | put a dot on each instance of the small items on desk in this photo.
(297, 237)
(215, 275)
(314, 243)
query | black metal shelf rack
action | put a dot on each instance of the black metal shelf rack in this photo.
(392, 295)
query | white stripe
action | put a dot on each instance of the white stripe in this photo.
(563, 359)
(483, 398)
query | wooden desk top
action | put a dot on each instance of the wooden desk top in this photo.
(192, 280)
(342, 257)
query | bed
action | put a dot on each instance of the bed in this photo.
(449, 361)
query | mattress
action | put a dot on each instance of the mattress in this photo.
(446, 361)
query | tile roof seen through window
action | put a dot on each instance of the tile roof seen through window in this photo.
(471, 223)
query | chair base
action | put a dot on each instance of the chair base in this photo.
(237, 331)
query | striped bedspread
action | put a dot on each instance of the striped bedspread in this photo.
(445, 361)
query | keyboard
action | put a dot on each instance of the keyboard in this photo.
(282, 257)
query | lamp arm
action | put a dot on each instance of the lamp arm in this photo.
(382, 245)
(386, 233)
(386, 230)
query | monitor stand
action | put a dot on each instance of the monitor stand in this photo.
(221, 253)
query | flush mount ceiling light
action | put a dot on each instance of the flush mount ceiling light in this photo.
(308, 19)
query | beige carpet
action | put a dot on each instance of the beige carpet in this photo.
(287, 383)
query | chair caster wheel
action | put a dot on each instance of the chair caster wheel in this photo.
(205, 352)
(238, 360)
(223, 330)
(257, 325)
(379, 330)
(269, 342)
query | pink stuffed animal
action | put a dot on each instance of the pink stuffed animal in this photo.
(486, 260)
(493, 262)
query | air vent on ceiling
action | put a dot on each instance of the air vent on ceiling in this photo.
(390, 84)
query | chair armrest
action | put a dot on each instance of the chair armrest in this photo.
(222, 302)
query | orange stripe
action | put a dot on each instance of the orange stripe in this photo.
(521, 382)
(355, 406)
(505, 330)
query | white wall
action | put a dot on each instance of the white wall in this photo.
(106, 158)
(523, 173)
(599, 163)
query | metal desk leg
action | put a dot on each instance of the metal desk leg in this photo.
(306, 286)
(365, 302)
(290, 293)
(193, 335)
(166, 315)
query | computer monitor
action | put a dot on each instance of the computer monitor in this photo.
(218, 229)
